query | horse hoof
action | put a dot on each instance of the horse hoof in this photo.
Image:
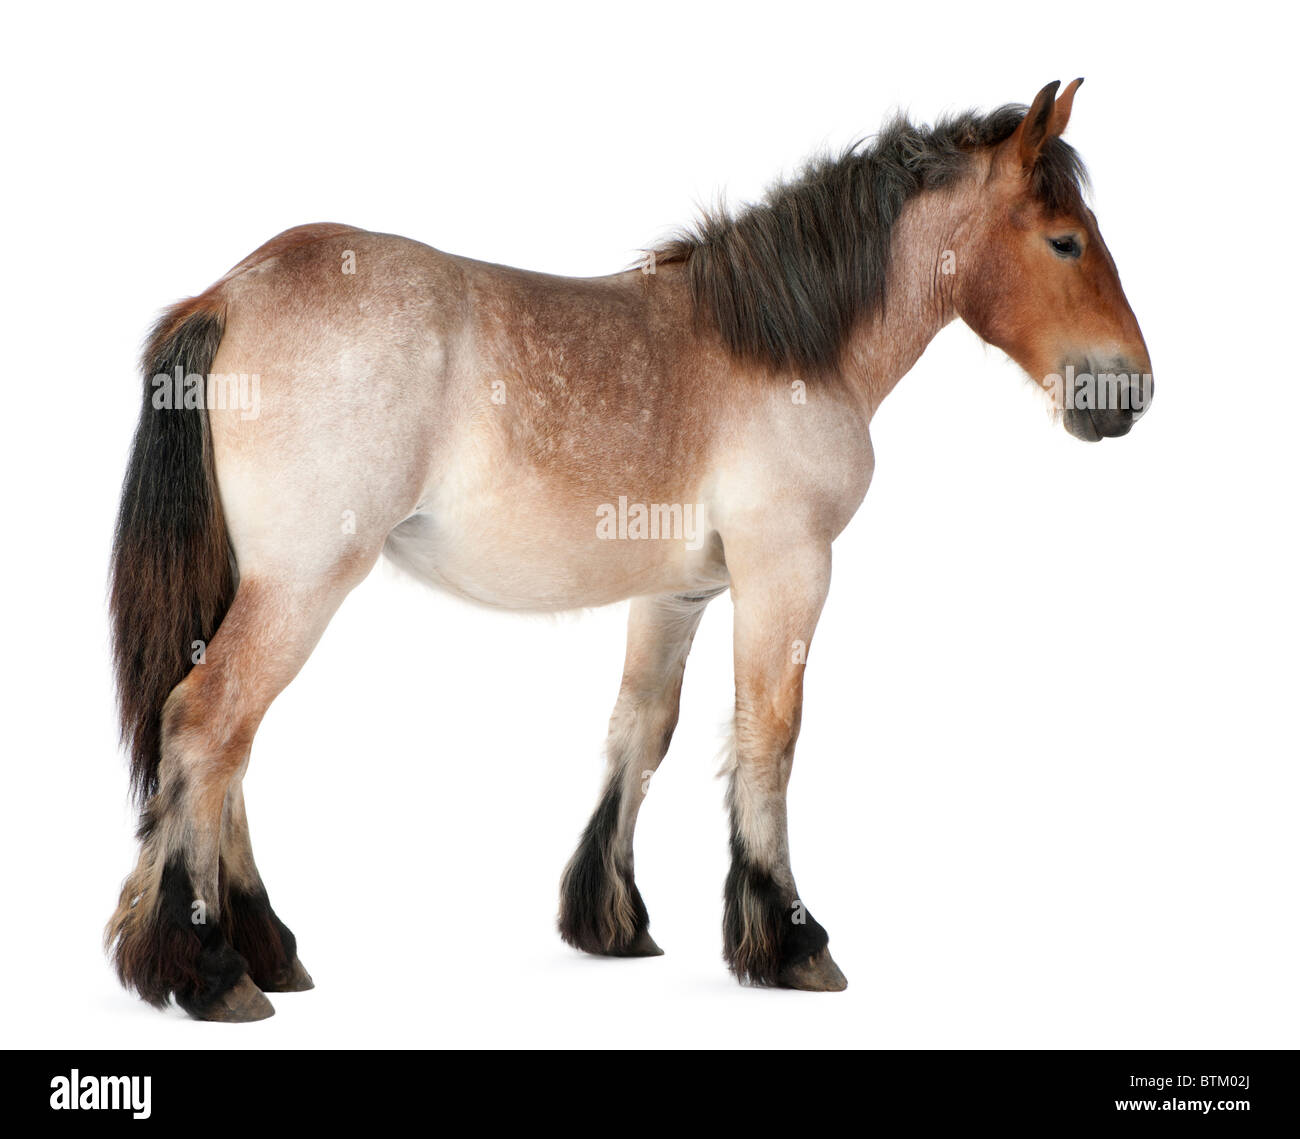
(816, 974)
(643, 946)
(244, 1003)
(293, 978)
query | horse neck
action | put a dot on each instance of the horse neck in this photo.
(918, 294)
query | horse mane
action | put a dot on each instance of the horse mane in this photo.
(785, 278)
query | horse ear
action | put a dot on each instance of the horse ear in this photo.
(1061, 110)
(1035, 130)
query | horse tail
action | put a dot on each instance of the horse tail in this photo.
(172, 574)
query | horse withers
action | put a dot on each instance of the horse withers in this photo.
(695, 424)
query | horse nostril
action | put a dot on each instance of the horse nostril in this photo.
(1127, 401)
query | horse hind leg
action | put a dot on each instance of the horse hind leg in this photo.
(254, 928)
(601, 910)
(171, 934)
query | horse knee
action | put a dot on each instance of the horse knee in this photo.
(642, 727)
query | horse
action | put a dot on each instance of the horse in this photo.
(697, 423)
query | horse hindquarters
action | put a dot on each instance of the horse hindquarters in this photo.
(194, 921)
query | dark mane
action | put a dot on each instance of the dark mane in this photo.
(784, 279)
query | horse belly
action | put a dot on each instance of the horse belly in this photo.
(518, 546)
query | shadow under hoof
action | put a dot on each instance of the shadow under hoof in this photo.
(815, 974)
(239, 1005)
(292, 979)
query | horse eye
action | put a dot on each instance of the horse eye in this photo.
(1065, 246)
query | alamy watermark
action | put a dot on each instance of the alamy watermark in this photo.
(663, 521)
(1102, 391)
(219, 391)
(75, 1092)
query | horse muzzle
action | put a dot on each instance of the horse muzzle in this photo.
(1105, 404)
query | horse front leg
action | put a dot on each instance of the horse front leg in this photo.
(769, 937)
(601, 910)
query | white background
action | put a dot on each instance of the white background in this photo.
(1046, 791)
